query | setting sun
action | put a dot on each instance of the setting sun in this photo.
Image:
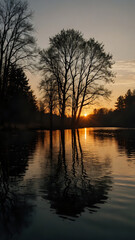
(85, 115)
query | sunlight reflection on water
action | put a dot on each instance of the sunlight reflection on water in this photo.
(78, 183)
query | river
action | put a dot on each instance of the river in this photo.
(67, 184)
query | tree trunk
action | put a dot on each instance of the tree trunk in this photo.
(74, 121)
(51, 122)
(63, 113)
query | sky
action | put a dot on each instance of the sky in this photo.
(111, 22)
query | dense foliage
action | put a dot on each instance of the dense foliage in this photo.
(123, 115)
(19, 106)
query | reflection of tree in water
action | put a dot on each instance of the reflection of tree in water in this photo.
(15, 209)
(125, 139)
(74, 184)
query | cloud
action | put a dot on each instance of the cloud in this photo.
(125, 72)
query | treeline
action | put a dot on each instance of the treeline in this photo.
(19, 108)
(74, 70)
(122, 116)
(19, 104)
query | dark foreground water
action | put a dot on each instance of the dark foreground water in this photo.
(67, 185)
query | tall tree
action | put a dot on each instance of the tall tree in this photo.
(20, 106)
(89, 73)
(16, 38)
(81, 68)
(120, 104)
(128, 99)
(57, 60)
(50, 95)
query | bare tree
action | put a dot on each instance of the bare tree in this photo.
(49, 88)
(16, 40)
(80, 67)
(57, 60)
(89, 73)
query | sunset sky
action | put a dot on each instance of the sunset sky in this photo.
(111, 22)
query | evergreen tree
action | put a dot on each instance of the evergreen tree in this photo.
(120, 104)
(20, 103)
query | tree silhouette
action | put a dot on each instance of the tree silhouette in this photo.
(20, 104)
(50, 95)
(17, 44)
(80, 69)
(120, 104)
(129, 99)
(57, 61)
(89, 74)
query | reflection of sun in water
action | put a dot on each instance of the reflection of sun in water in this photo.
(85, 115)
(85, 133)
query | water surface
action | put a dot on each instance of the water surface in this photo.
(67, 185)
